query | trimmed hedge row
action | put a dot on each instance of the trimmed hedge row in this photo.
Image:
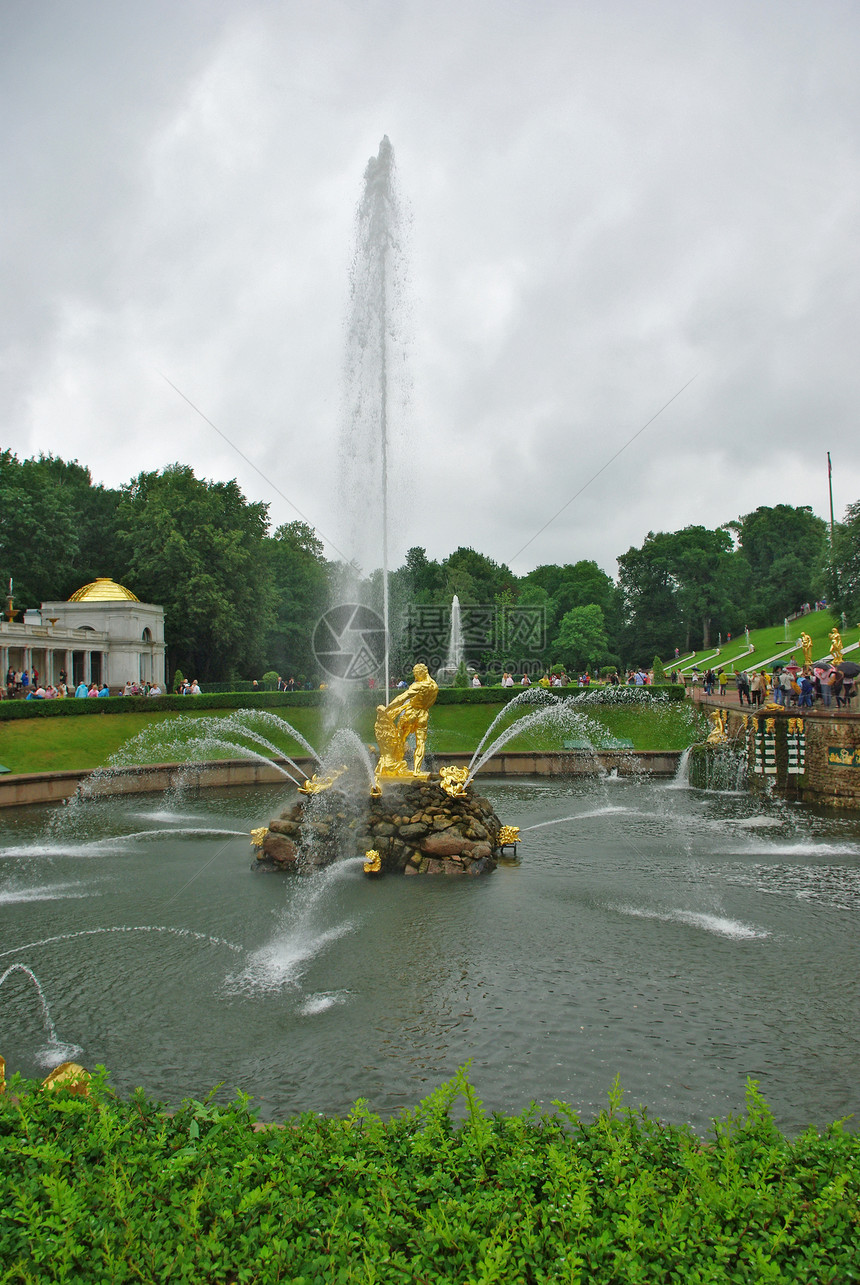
(72, 707)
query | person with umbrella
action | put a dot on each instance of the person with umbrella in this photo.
(849, 671)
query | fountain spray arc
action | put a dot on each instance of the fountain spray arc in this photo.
(374, 373)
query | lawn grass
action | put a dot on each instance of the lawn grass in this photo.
(82, 744)
(768, 642)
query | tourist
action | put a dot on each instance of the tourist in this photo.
(743, 685)
(837, 687)
(291, 684)
(507, 679)
(807, 687)
(194, 689)
(825, 682)
(93, 690)
(757, 688)
(790, 689)
(476, 682)
(81, 691)
(848, 690)
(104, 690)
(525, 681)
(722, 678)
(155, 690)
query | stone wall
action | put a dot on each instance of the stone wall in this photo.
(828, 738)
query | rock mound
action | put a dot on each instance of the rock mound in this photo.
(416, 827)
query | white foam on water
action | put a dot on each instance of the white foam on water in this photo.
(56, 1052)
(282, 962)
(799, 848)
(46, 892)
(717, 924)
(321, 1002)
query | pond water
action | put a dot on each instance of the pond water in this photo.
(683, 940)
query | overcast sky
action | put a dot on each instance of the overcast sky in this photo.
(606, 199)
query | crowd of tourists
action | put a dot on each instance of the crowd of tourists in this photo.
(789, 686)
(23, 684)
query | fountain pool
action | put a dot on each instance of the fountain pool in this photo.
(681, 939)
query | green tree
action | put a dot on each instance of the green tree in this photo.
(474, 577)
(300, 583)
(785, 548)
(845, 567)
(426, 581)
(198, 548)
(581, 641)
(56, 528)
(680, 587)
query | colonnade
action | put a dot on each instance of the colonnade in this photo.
(85, 665)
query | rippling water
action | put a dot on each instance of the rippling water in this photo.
(681, 939)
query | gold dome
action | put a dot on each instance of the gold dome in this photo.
(104, 590)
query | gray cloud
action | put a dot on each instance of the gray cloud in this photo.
(605, 200)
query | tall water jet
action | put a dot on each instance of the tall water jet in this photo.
(455, 643)
(374, 382)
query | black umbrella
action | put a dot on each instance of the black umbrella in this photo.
(848, 668)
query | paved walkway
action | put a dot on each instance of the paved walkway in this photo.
(730, 701)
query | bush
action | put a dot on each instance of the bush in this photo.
(659, 671)
(270, 680)
(93, 1188)
(461, 678)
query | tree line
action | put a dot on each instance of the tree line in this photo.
(241, 599)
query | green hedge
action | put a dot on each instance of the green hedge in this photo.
(96, 1189)
(72, 707)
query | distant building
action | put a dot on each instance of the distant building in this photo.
(103, 634)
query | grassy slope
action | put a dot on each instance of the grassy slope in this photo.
(57, 744)
(768, 642)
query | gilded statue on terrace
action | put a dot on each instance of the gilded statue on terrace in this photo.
(406, 715)
(806, 644)
(835, 645)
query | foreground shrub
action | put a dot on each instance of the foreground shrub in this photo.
(102, 1190)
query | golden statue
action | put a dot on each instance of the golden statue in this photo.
(406, 715)
(372, 862)
(453, 780)
(806, 644)
(835, 645)
(257, 836)
(509, 836)
(316, 784)
(719, 718)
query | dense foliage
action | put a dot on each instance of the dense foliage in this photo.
(98, 1189)
(240, 600)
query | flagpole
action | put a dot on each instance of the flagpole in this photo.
(830, 486)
